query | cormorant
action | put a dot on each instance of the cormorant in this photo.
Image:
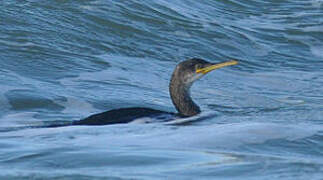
(184, 75)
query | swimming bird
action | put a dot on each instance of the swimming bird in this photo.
(184, 75)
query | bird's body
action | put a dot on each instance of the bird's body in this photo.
(182, 79)
(121, 116)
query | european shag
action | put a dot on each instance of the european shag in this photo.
(184, 75)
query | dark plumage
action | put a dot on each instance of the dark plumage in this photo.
(182, 79)
(118, 116)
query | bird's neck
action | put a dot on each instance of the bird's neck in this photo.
(180, 95)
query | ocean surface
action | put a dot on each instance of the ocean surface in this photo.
(64, 60)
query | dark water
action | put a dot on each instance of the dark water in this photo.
(63, 60)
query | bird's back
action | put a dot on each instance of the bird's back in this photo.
(117, 116)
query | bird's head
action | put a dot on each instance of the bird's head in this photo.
(191, 70)
(182, 79)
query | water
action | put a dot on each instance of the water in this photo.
(64, 60)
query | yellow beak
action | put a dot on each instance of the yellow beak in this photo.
(216, 66)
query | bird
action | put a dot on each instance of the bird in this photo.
(183, 77)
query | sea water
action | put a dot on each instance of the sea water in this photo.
(65, 60)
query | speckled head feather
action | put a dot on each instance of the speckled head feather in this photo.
(184, 75)
(182, 79)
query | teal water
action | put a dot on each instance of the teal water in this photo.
(64, 60)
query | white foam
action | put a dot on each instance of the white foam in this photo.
(182, 34)
(154, 135)
(317, 3)
(4, 103)
(76, 106)
(18, 119)
(317, 51)
(291, 101)
(142, 120)
(20, 44)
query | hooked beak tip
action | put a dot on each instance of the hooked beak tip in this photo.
(216, 66)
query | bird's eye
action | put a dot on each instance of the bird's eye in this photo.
(198, 66)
